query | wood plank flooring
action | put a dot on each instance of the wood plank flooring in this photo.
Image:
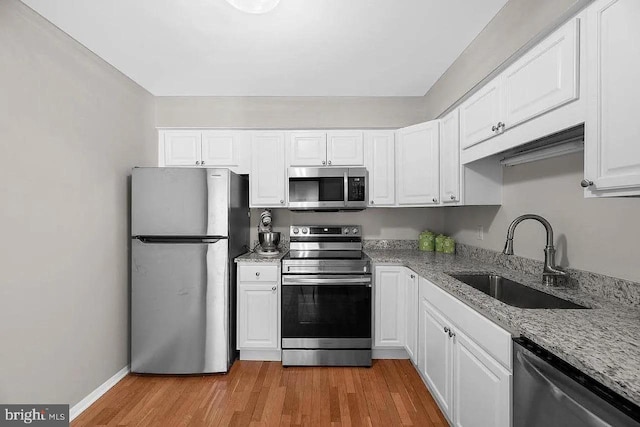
(390, 393)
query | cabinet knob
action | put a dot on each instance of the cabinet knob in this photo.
(282, 202)
(324, 163)
(434, 200)
(501, 125)
(451, 334)
(586, 183)
(494, 128)
(197, 163)
(257, 274)
(202, 162)
(446, 330)
(372, 202)
(329, 162)
(413, 276)
(275, 288)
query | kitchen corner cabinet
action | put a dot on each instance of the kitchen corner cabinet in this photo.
(465, 360)
(612, 130)
(267, 181)
(389, 311)
(333, 148)
(379, 148)
(418, 165)
(258, 314)
(206, 148)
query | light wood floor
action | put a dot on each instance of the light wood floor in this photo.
(265, 394)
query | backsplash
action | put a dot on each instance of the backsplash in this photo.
(389, 244)
(619, 290)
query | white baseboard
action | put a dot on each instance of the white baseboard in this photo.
(264, 355)
(79, 407)
(389, 353)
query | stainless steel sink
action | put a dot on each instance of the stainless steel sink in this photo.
(513, 293)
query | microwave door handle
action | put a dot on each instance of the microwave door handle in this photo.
(346, 187)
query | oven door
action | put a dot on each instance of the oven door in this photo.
(326, 311)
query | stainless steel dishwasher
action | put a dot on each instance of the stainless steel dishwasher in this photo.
(549, 392)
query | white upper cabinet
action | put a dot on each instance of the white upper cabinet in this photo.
(267, 180)
(543, 79)
(380, 163)
(333, 148)
(480, 115)
(450, 159)
(612, 131)
(307, 148)
(181, 148)
(208, 148)
(345, 148)
(537, 95)
(417, 164)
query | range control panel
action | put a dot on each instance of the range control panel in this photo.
(325, 230)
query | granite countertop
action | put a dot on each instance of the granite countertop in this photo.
(603, 342)
(253, 257)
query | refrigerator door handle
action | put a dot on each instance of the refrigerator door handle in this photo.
(180, 239)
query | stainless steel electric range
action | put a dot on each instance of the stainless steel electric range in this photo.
(326, 298)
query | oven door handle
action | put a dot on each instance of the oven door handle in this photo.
(326, 280)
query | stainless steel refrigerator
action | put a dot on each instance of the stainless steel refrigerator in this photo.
(187, 226)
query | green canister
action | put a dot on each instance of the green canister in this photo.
(440, 242)
(449, 246)
(426, 241)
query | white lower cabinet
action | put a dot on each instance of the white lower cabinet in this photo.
(389, 302)
(258, 316)
(471, 386)
(411, 314)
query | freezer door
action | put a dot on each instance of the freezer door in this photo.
(179, 307)
(179, 202)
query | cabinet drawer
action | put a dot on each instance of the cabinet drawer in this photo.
(258, 273)
(491, 337)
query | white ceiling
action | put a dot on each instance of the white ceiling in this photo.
(301, 48)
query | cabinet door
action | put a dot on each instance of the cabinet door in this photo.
(612, 140)
(267, 180)
(450, 159)
(480, 115)
(482, 387)
(258, 316)
(411, 315)
(435, 359)
(345, 148)
(307, 149)
(545, 78)
(390, 321)
(380, 162)
(220, 148)
(417, 164)
(182, 148)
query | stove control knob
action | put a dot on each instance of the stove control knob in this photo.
(346, 231)
(305, 230)
(354, 231)
(295, 230)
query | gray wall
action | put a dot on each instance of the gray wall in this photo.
(599, 235)
(377, 223)
(71, 128)
(518, 22)
(289, 112)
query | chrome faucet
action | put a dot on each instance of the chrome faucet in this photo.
(551, 272)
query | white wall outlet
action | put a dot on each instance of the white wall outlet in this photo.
(480, 232)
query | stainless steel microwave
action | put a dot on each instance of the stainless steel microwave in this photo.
(328, 189)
